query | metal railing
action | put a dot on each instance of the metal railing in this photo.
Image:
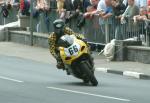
(95, 33)
(113, 29)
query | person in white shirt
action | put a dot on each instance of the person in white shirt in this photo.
(101, 5)
(101, 10)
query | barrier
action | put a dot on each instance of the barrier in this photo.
(147, 26)
(44, 21)
(95, 33)
(1, 20)
(12, 17)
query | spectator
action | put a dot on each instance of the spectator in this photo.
(139, 3)
(6, 7)
(148, 8)
(42, 5)
(101, 6)
(107, 17)
(86, 3)
(148, 2)
(104, 10)
(91, 9)
(42, 8)
(10, 3)
(73, 5)
(140, 19)
(73, 11)
(94, 3)
(147, 24)
(118, 10)
(60, 6)
(130, 11)
(25, 7)
(93, 22)
(76, 6)
(142, 15)
(108, 11)
(13, 2)
(86, 13)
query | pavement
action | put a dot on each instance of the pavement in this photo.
(125, 68)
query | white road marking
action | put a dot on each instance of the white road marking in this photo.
(90, 94)
(10, 79)
(102, 69)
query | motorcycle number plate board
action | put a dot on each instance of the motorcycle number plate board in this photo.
(72, 50)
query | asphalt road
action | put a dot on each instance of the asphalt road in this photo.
(27, 81)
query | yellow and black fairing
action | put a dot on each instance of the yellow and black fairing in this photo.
(69, 59)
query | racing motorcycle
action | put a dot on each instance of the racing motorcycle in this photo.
(77, 59)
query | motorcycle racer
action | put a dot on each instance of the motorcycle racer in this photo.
(60, 29)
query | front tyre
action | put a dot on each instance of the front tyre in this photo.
(88, 73)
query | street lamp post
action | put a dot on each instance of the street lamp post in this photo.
(31, 22)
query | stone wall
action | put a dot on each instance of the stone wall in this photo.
(121, 50)
(138, 54)
(124, 50)
(23, 37)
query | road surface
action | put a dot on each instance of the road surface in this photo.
(27, 81)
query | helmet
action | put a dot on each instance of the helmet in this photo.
(59, 25)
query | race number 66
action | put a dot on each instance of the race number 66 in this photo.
(73, 50)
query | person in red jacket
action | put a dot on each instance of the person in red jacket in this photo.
(24, 7)
(148, 8)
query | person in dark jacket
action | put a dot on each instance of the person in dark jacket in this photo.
(74, 11)
(118, 10)
(118, 7)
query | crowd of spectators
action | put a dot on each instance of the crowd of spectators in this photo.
(81, 10)
(115, 13)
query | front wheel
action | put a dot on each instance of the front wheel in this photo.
(88, 73)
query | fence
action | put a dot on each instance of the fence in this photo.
(113, 29)
(13, 12)
(95, 33)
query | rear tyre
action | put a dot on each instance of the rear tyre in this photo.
(87, 71)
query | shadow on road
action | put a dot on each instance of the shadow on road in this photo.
(74, 84)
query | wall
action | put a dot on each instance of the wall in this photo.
(138, 54)
(23, 37)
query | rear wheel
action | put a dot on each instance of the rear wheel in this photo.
(88, 73)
